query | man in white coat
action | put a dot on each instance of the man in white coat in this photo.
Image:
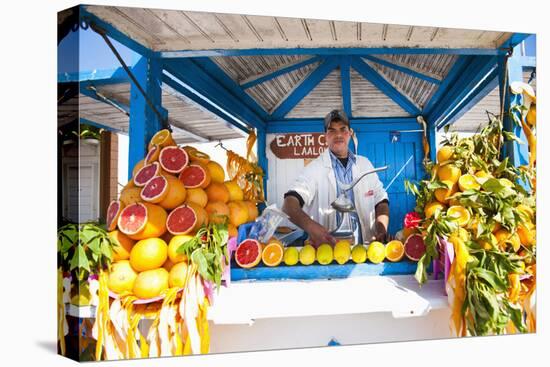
(307, 203)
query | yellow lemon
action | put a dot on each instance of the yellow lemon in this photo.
(432, 208)
(342, 251)
(291, 256)
(442, 195)
(324, 254)
(468, 182)
(376, 253)
(359, 254)
(445, 153)
(449, 172)
(460, 214)
(307, 255)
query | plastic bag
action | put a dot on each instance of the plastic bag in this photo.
(265, 225)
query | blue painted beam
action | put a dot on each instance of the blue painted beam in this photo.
(196, 78)
(403, 69)
(262, 158)
(99, 125)
(345, 70)
(477, 94)
(305, 87)
(203, 101)
(514, 40)
(381, 83)
(114, 33)
(250, 82)
(105, 76)
(92, 94)
(476, 71)
(218, 74)
(432, 133)
(144, 122)
(452, 76)
(328, 51)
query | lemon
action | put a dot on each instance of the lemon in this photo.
(376, 252)
(342, 251)
(290, 256)
(307, 255)
(359, 254)
(324, 254)
(445, 153)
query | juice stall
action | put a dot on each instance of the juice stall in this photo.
(203, 78)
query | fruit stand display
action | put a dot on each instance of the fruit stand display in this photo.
(179, 266)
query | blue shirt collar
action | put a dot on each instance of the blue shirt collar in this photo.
(334, 159)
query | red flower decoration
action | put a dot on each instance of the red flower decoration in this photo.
(412, 220)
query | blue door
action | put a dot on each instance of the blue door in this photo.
(404, 158)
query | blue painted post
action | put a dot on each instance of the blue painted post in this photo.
(262, 158)
(144, 122)
(517, 153)
(345, 65)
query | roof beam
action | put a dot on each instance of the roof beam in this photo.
(381, 83)
(211, 92)
(271, 74)
(303, 89)
(327, 51)
(92, 92)
(103, 76)
(403, 69)
(217, 73)
(475, 73)
(345, 69)
(358, 124)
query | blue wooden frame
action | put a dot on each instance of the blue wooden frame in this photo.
(358, 124)
(284, 70)
(403, 69)
(98, 77)
(345, 76)
(93, 95)
(371, 75)
(306, 86)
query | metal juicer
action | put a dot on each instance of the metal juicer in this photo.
(345, 206)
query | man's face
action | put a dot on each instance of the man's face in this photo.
(337, 136)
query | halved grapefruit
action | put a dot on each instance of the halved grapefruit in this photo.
(194, 176)
(185, 219)
(155, 190)
(142, 220)
(173, 159)
(414, 247)
(152, 154)
(113, 211)
(248, 254)
(146, 173)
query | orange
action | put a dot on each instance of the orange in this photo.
(175, 195)
(272, 254)
(394, 250)
(504, 237)
(202, 216)
(121, 277)
(162, 138)
(448, 172)
(407, 232)
(139, 165)
(178, 275)
(196, 156)
(155, 225)
(130, 195)
(232, 230)
(432, 208)
(444, 153)
(217, 174)
(460, 214)
(197, 196)
(235, 192)
(217, 192)
(122, 245)
(442, 195)
(527, 236)
(151, 283)
(173, 246)
(238, 213)
(218, 212)
(148, 254)
(468, 182)
(252, 210)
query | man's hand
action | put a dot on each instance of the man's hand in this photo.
(319, 235)
(380, 233)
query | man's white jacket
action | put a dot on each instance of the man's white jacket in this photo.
(317, 186)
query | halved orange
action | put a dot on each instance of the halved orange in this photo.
(272, 254)
(468, 182)
(162, 138)
(395, 250)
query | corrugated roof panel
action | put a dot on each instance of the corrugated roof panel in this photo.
(476, 118)
(369, 101)
(324, 97)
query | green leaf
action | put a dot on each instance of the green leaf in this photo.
(198, 258)
(509, 136)
(66, 244)
(80, 260)
(490, 277)
(106, 250)
(421, 274)
(95, 245)
(516, 316)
